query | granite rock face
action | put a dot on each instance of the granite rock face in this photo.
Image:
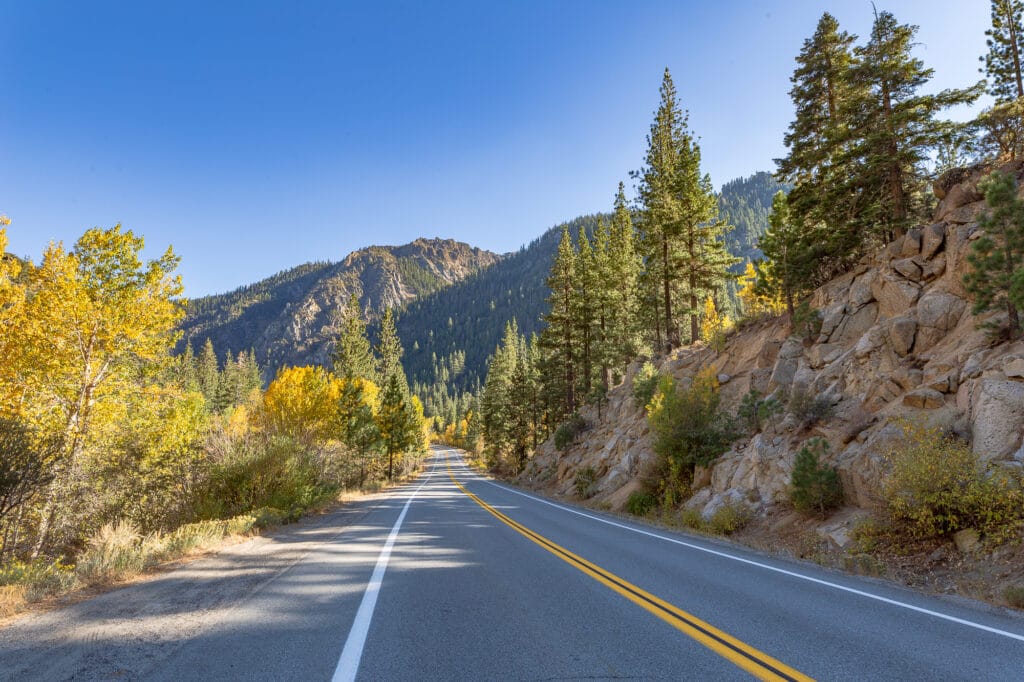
(897, 341)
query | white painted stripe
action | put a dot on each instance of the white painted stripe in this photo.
(348, 663)
(768, 567)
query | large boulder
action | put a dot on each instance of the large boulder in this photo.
(998, 418)
(894, 294)
(958, 196)
(938, 312)
(909, 268)
(933, 238)
(924, 399)
(901, 334)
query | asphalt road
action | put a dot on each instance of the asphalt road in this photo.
(456, 577)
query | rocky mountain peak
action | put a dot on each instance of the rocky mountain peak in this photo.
(294, 317)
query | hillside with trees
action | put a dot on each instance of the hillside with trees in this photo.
(293, 317)
(875, 365)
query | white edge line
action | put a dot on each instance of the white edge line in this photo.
(348, 662)
(793, 574)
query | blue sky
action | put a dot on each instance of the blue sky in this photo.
(254, 136)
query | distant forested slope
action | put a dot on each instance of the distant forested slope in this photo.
(745, 203)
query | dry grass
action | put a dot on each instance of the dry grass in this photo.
(12, 599)
(119, 553)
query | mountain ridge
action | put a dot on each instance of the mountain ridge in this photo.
(292, 317)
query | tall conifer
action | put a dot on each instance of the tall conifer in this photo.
(893, 129)
(1005, 51)
(560, 334)
(353, 357)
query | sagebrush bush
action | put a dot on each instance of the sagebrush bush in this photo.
(1014, 596)
(641, 503)
(113, 553)
(808, 409)
(569, 431)
(815, 487)
(937, 487)
(644, 384)
(729, 518)
(584, 483)
(36, 579)
(692, 519)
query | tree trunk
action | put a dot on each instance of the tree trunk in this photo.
(1012, 27)
(694, 321)
(898, 194)
(671, 333)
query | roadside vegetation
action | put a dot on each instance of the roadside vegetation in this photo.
(117, 455)
(937, 488)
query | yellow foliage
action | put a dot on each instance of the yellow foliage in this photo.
(92, 320)
(938, 486)
(302, 402)
(755, 304)
(714, 325)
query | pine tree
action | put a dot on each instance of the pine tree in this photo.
(661, 215)
(352, 357)
(785, 271)
(389, 351)
(605, 287)
(684, 250)
(585, 299)
(702, 261)
(625, 265)
(559, 336)
(227, 384)
(997, 258)
(893, 129)
(188, 371)
(357, 427)
(398, 432)
(208, 373)
(1005, 49)
(252, 374)
(497, 405)
(820, 91)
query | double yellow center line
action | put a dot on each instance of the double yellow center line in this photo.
(755, 662)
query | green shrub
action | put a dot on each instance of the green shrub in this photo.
(278, 472)
(815, 486)
(689, 428)
(584, 483)
(1014, 596)
(937, 487)
(729, 518)
(40, 578)
(806, 321)
(569, 431)
(265, 517)
(641, 503)
(807, 408)
(644, 384)
(692, 519)
(755, 412)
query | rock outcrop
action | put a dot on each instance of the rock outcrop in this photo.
(897, 340)
(294, 317)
